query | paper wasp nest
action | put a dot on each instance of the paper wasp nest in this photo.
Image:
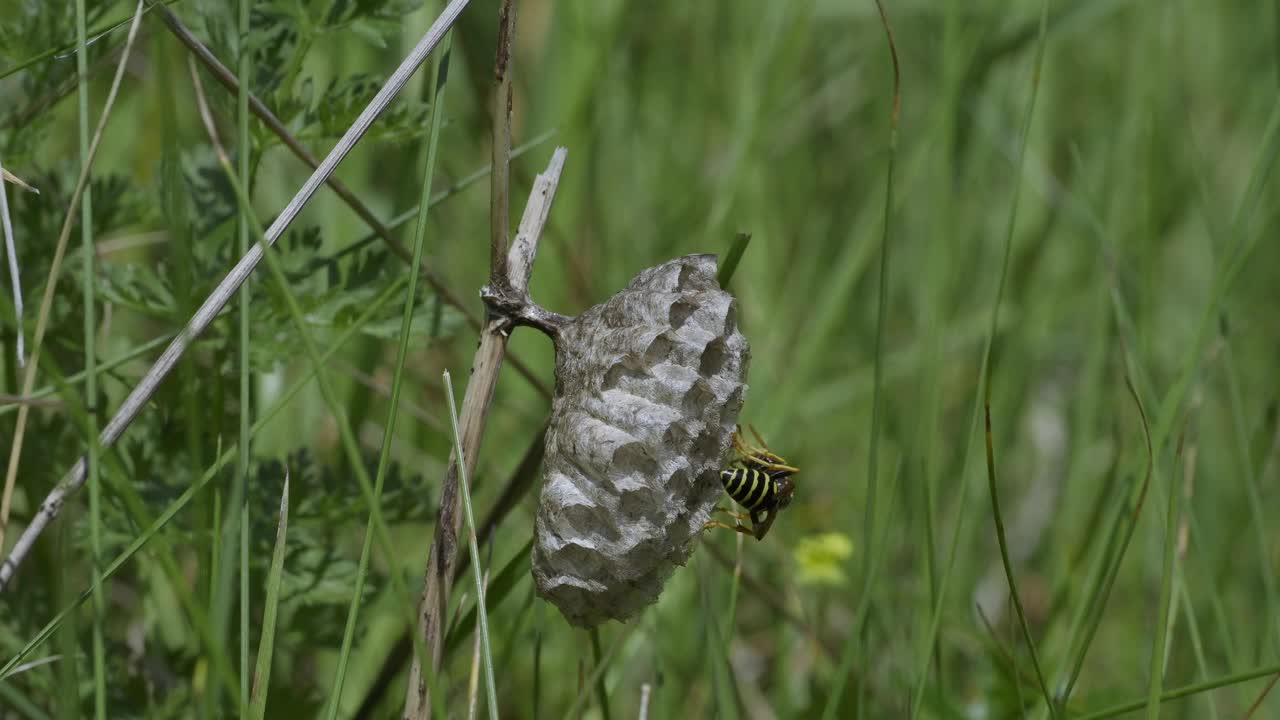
(648, 389)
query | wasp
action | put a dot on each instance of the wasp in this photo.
(760, 481)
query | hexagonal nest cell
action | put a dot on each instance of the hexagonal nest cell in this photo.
(648, 389)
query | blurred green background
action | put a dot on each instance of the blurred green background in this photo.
(1141, 247)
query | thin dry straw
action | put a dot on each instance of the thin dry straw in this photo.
(221, 295)
(11, 251)
(42, 320)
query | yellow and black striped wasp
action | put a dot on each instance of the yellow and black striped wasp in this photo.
(760, 481)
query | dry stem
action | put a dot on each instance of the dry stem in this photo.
(475, 411)
(500, 197)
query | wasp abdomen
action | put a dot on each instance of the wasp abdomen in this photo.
(750, 488)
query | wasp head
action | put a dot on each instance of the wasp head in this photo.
(786, 489)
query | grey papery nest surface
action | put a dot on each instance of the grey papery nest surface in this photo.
(648, 389)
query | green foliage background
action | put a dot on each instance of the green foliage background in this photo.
(1142, 247)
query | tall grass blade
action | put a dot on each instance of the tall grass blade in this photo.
(730, 264)
(602, 695)
(266, 642)
(464, 486)
(588, 682)
(244, 160)
(500, 586)
(1103, 591)
(1182, 692)
(439, 74)
(1162, 625)
(722, 676)
(88, 289)
(855, 643)
(1003, 542)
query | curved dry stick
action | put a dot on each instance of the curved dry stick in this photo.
(42, 316)
(226, 289)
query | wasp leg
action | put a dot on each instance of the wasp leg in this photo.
(727, 511)
(760, 526)
(761, 456)
(736, 528)
(773, 467)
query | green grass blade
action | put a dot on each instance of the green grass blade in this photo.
(1197, 645)
(935, 622)
(266, 642)
(1003, 542)
(731, 260)
(721, 670)
(1250, 476)
(476, 571)
(1229, 267)
(731, 617)
(1182, 692)
(244, 157)
(854, 642)
(439, 73)
(68, 679)
(1103, 592)
(500, 586)
(21, 704)
(1019, 166)
(602, 694)
(596, 674)
(1162, 625)
(88, 291)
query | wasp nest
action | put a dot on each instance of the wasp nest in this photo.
(648, 389)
